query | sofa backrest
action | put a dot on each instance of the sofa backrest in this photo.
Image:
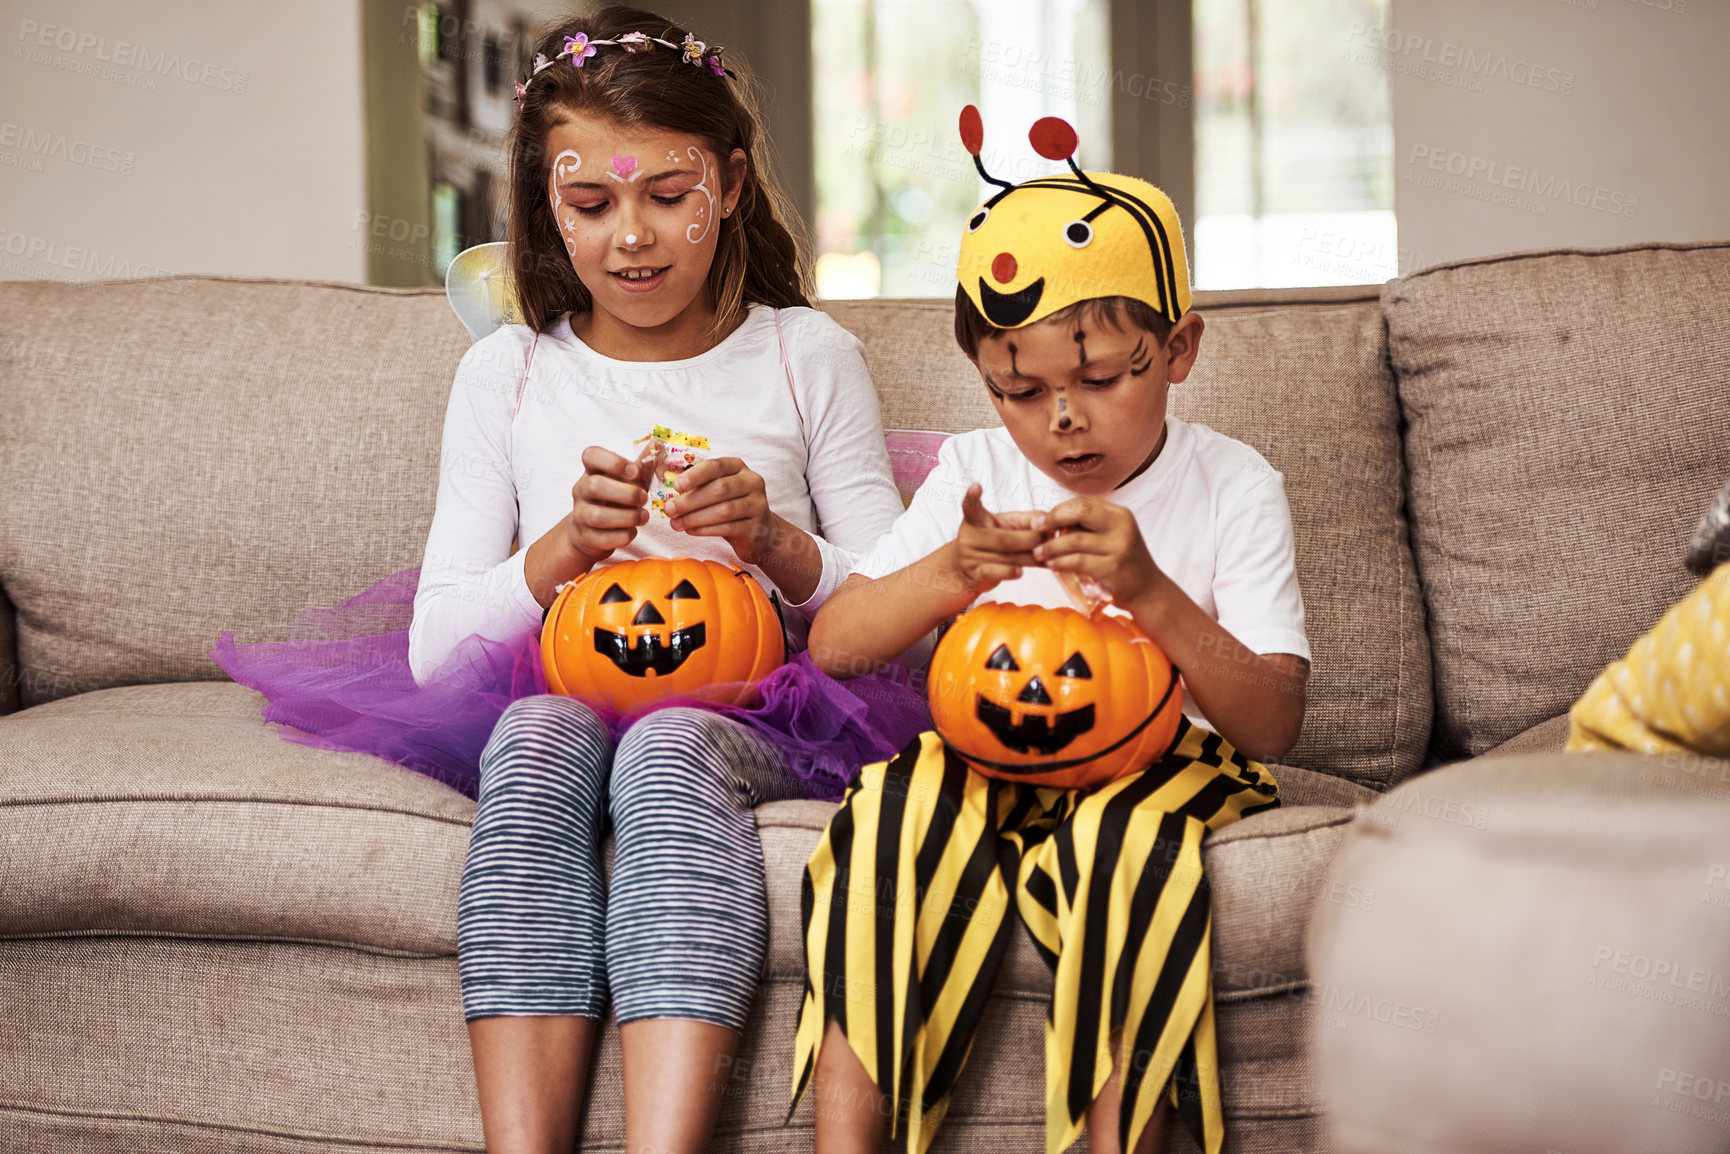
(1569, 420)
(188, 455)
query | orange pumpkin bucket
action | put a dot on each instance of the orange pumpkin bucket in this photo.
(632, 633)
(1051, 696)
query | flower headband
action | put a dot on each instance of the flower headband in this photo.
(579, 48)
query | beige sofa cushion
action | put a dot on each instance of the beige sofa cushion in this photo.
(1543, 966)
(185, 856)
(1566, 415)
(1302, 376)
(188, 455)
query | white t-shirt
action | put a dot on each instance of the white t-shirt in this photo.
(512, 451)
(1211, 509)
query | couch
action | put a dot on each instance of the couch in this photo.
(215, 939)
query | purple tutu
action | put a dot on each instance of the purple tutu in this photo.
(341, 681)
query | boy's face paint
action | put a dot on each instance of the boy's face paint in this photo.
(641, 239)
(1088, 411)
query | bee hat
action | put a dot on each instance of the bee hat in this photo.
(1045, 244)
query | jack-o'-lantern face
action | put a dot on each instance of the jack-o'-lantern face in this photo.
(1051, 697)
(631, 633)
(639, 639)
(1033, 723)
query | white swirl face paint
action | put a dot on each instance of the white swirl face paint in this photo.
(705, 213)
(563, 168)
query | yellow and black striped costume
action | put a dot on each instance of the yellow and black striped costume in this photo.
(907, 915)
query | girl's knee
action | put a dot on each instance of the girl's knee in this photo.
(675, 752)
(542, 740)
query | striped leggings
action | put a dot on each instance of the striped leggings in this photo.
(685, 929)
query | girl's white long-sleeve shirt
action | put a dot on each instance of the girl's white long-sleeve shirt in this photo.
(513, 444)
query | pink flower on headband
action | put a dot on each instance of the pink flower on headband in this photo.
(521, 91)
(541, 62)
(634, 42)
(715, 65)
(578, 48)
(693, 49)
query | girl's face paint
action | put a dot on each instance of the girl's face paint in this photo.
(640, 238)
(566, 165)
(705, 212)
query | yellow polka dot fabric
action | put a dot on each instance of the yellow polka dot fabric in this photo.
(1671, 693)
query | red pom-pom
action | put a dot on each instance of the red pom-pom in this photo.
(1052, 138)
(972, 130)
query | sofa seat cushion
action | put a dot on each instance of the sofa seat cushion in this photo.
(175, 809)
(1566, 428)
(1545, 737)
(172, 813)
(160, 1045)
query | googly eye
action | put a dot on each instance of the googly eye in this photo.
(978, 219)
(1078, 234)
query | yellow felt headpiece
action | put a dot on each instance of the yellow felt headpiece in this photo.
(1048, 243)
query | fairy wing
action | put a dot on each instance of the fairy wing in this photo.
(478, 285)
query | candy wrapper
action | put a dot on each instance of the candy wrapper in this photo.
(665, 455)
(1088, 595)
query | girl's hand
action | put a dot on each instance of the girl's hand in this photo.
(991, 548)
(1102, 542)
(608, 502)
(721, 497)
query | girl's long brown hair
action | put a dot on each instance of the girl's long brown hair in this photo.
(756, 260)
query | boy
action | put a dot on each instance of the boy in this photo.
(1187, 532)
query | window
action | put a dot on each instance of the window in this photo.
(890, 78)
(1293, 145)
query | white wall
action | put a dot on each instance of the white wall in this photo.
(171, 136)
(1570, 122)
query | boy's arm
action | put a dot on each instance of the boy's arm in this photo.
(1255, 701)
(868, 622)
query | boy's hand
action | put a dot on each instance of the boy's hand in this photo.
(991, 548)
(1102, 542)
(608, 502)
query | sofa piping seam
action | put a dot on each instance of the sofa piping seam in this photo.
(1536, 253)
(254, 939)
(213, 1124)
(47, 801)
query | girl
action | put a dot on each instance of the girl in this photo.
(659, 286)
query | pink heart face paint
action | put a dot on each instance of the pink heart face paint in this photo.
(624, 168)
